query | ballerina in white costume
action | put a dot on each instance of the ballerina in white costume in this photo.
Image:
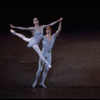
(37, 31)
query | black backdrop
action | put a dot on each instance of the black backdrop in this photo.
(77, 14)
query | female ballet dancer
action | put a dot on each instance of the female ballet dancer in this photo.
(37, 31)
(47, 45)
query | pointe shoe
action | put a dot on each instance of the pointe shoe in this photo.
(49, 66)
(43, 85)
(12, 31)
(33, 85)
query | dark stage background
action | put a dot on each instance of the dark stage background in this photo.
(76, 14)
(76, 53)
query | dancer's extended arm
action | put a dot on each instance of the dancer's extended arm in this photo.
(21, 28)
(53, 23)
(59, 29)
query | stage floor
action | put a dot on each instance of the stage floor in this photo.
(75, 71)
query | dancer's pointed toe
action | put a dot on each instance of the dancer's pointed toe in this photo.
(12, 31)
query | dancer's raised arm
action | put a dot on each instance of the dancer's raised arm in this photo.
(59, 29)
(21, 28)
(53, 23)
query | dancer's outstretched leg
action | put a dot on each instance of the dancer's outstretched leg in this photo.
(40, 67)
(20, 35)
(45, 72)
(37, 49)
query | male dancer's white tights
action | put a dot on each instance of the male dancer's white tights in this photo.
(45, 72)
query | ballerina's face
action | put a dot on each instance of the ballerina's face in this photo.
(35, 21)
(48, 30)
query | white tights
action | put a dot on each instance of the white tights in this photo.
(45, 72)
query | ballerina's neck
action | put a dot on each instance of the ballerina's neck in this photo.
(49, 34)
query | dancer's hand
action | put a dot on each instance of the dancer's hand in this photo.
(61, 18)
(12, 26)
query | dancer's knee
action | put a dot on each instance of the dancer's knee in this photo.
(46, 69)
(39, 70)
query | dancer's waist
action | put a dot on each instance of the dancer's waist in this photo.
(38, 34)
(47, 51)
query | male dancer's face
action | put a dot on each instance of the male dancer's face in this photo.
(35, 21)
(48, 30)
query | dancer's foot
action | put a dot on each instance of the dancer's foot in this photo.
(49, 65)
(34, 85)
(43, 85)
(12, 31)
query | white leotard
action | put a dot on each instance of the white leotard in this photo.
(36, 39)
